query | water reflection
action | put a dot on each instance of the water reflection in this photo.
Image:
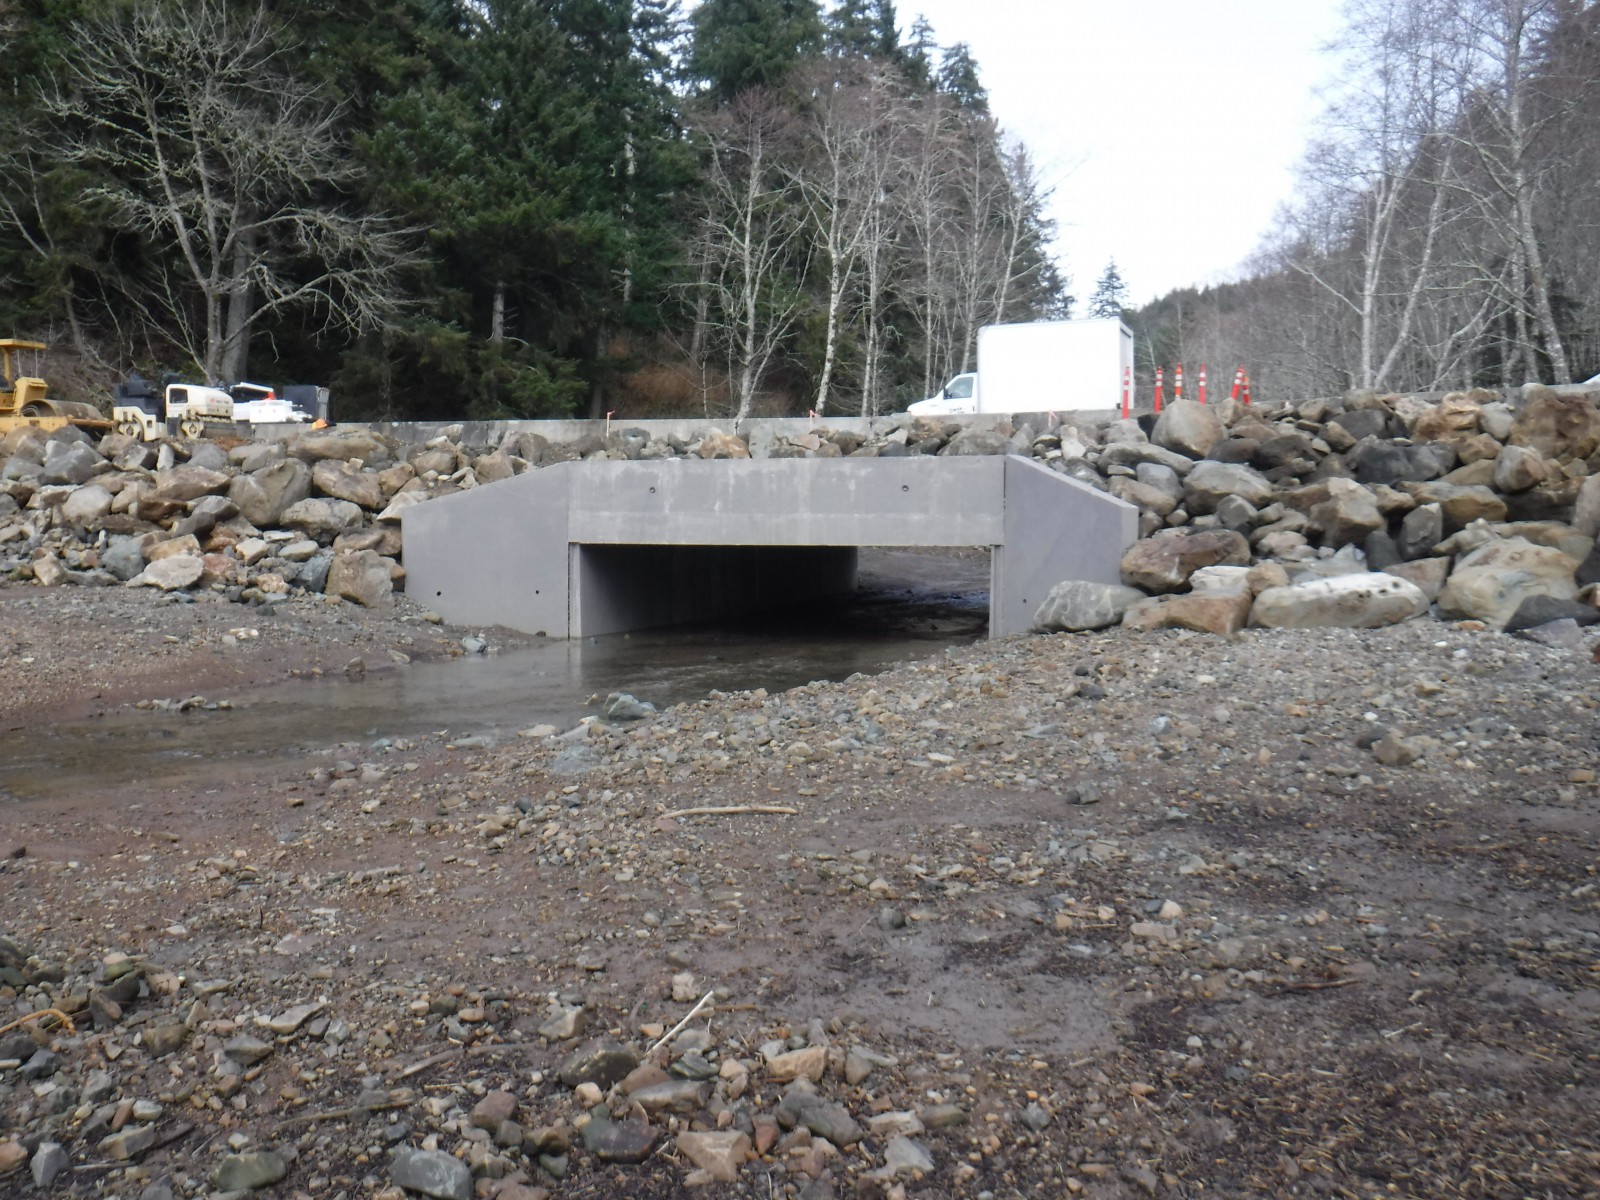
(495, 695)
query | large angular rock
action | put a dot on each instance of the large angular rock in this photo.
(1165, 563)
(86, 506)
(1361, 601)
(1477, 448)
(970, 442)
(1282, 450)
(1558, 426)
(1210, 482)
(69, 462)
(1238, 515)
(1143, 495)
(682, 1096)
(399, 504)
(717, 444)
(204, 516)
(1491, 583)
(1586, 509)
(179, 485)
(1518, 468)
(1428, 574)
(1219, 604)
(344, 445)
(1188, 428)
(719, 1155)
(1453, 419)
(602, 1062)
(252, 456)
(1362, 423)
(319, 515)
(172, 574)
(1077, 604)
(1460, 505)
(249, 1171)
(362, 576)
(1552, 500)
(438, 459)
(342, 481)
(1542, 610)
(1574, 543)
(432, 1173)
(25, 442)
(49, 1161)
(123, 557)
(1216, 613)
(1386, 462)
(264, 495)
(1348, 515)
(492, 468)
(1131, 454)
(1421, 530)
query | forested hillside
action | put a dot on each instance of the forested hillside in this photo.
(485, 208)
(1446, 230)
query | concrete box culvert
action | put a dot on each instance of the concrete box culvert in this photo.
(585, 548)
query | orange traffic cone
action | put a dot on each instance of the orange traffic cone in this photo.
(1161, 374)
(1238, 382)
(1247, 388)
(1202, 383)
(1177, 383)
(1127, 390)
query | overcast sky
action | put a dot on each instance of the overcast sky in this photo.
(1167, 128)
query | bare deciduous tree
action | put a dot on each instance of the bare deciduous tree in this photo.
(843, 183)
(750, 248)
(197, 138)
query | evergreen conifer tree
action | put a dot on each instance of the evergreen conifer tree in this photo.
(740, 44)
(1110, 293)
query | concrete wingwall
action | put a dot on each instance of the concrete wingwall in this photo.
(585, 548)
(1055, 528)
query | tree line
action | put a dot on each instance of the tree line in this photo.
(497, 208)
(1447, 219)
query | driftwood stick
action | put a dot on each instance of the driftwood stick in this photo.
(683, 1024)
(340, 1114)
(432, 1060)
(733, 810)
(43, 1012)
(1322, 986)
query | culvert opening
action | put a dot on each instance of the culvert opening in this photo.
(785, 591)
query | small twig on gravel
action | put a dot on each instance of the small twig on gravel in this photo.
(432, 1060)
(683, 1024)
(43, 1012)
(339, 1114)
(1323, 986)
(734, 810)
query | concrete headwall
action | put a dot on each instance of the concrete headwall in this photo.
(597, 547)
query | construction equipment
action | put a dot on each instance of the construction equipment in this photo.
(141, 411)
(23, 400)
(258, 404)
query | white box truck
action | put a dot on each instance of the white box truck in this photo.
(1041, 366)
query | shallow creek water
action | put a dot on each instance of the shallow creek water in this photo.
(909, 607)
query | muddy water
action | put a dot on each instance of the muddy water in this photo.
(912, 605)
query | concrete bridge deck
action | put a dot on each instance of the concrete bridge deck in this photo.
(587, 548)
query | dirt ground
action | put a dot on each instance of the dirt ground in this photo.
(1118, 915)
